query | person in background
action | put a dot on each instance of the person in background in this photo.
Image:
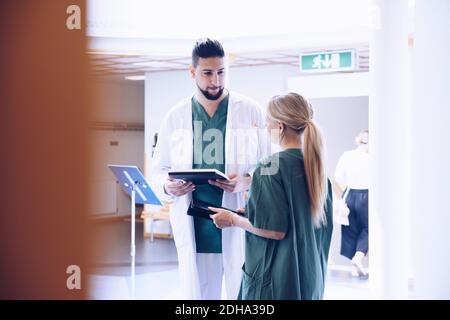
(352, 177)
(289, 211)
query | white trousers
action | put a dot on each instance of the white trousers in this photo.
(210, 274)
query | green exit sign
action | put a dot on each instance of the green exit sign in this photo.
(328, 61)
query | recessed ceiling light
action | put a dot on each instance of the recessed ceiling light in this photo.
(156, 64)
(115, 53)
(135, 78)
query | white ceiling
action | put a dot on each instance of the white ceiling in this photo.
(191, 19)
(131, 37)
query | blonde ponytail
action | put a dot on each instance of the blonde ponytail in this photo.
(315, 172)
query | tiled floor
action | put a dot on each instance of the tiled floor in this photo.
(157, 285)
(163, 285)
(157, 269)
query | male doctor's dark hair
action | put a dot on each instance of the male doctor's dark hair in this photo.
(206, 48)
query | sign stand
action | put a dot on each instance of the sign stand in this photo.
(134, 183)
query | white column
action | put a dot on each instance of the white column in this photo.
(389, 126)
(431, 150)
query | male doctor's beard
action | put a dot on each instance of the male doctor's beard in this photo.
(210, 96)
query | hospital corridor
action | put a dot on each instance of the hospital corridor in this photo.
(195, 151)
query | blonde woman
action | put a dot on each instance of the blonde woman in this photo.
(288, 217)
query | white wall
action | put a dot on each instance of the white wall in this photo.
(340, 120)
(115, 101)
(352, 84)
(262, 82)
(162, 91)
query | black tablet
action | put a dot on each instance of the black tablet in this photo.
(200, 209)
(197, 176)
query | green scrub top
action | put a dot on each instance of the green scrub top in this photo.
(295, 267)
(208, 238)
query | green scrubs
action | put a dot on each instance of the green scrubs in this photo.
(294, 267)
(209, 153)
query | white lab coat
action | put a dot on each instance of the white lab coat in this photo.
(174, 151)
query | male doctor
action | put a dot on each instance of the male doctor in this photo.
(212, 129)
